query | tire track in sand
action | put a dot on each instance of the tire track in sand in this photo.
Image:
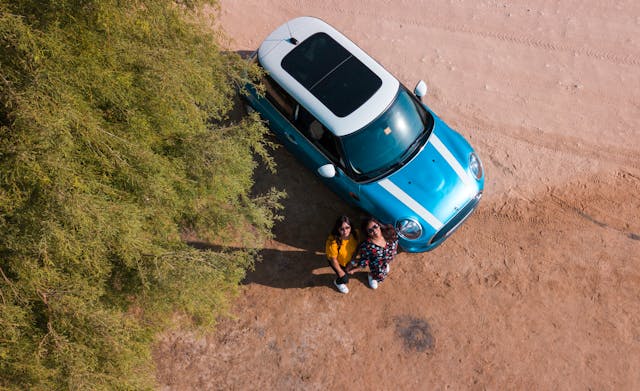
(591, 199)
(558, 143)
(520, 39)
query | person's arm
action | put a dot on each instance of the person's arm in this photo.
(358, 261)
(352, 266)
(336, 266)
(394, 248)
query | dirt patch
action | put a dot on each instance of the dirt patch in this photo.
(415, 333)
(539, 289)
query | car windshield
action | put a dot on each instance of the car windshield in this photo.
(389, 141)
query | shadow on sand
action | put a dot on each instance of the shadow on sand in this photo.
(310, 209)
(288, 268)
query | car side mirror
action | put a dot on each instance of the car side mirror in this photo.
(421, 89)
(327, 171)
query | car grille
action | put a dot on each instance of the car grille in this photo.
(457, 220)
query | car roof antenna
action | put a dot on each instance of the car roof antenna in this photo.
(291, 40)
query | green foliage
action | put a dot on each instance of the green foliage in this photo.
(114, 142)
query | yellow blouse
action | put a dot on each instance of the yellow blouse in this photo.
(347, 249)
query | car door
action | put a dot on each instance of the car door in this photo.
(277, 107)
(323, 148)
(305, 137)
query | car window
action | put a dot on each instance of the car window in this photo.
(333, 75)
(318, 134)
(304, 121)
(279, 98)
(390, 140)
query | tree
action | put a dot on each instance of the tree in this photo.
(114, 142)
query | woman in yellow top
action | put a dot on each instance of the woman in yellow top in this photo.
(341, 244)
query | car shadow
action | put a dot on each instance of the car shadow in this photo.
(309, 211)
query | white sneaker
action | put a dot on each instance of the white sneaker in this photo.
(341, 287)
(373, 283)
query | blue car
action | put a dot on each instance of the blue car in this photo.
(368, 137)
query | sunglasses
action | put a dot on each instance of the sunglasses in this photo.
(373, 228)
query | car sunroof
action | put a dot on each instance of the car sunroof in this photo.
(336, 78)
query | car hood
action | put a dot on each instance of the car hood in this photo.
(433, 186)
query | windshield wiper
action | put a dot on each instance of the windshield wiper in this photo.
(419, 141)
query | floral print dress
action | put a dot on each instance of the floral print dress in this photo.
(376, 257)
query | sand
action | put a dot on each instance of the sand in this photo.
(540, 289)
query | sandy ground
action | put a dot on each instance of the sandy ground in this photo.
(540, 289)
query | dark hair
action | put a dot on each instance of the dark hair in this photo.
(336, 229)
(387, 230)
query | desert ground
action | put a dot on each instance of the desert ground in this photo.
(538, 290)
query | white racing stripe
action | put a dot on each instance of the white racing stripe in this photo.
(411, 203)
(453, 162)
(406, 199)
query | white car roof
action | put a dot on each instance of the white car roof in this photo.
(278, 45)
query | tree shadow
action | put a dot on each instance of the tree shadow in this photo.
(309, 212)
(287, 268)
(245, 54)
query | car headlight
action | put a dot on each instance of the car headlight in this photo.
(475, 165)
(408, 229)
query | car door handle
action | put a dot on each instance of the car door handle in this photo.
(290, 138)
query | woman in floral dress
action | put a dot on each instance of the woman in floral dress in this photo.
(376, 251)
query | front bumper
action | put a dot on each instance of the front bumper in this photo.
(429, 243)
